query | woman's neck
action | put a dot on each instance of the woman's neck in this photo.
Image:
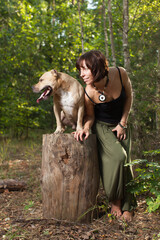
(100, 84)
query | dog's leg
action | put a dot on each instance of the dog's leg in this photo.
(80, 115)
(57, 112)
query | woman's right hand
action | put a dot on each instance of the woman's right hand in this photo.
(81, 134)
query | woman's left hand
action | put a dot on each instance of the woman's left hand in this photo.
(121, 133)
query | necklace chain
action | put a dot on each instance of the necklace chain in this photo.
(102, 96)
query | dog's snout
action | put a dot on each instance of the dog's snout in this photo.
(34, 89)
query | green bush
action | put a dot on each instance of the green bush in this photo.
(148, 180)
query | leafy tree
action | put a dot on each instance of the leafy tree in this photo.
(144, 38)
(37, 36)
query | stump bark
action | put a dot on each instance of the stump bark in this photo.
(70, 177)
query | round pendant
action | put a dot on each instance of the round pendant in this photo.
(102, 98)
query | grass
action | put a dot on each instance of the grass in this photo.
(18, 158)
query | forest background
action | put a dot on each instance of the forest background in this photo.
(40, 35)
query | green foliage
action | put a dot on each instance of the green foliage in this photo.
(153, 204)
(147, 181)
(151, 153)
(143, 37)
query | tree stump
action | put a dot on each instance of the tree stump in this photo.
(70, 177)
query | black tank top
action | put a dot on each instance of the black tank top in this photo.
(110, 112)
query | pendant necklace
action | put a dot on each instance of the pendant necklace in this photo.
(102, 96)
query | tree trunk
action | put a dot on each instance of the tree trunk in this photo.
(158, 94)
(111, 33)
(105, 29)
(81, 25)
(70, 177)
(125, 36)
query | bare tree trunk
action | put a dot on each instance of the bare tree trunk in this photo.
(158, 94)
(105, 28)
(125, 36)
(53, 7)
(111, 33)
(81, 26)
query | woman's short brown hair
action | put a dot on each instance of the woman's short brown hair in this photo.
(96, 62)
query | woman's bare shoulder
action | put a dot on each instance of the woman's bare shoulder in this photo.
(89, 95)
(114, 69)
(89, 89)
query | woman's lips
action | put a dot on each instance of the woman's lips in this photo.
(85, 80)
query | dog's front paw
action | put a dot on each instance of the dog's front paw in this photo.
(59, 130)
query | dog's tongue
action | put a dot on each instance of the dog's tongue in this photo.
(40, 98)
(43, 95)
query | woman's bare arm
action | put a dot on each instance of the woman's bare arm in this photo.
(88, 120)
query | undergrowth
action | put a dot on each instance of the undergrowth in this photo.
(148, 180)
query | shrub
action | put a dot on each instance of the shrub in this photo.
(148, 180)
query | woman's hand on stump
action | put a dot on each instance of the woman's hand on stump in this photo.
(81, 134)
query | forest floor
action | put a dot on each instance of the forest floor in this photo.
(21, 211)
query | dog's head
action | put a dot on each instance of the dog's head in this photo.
(48, 83)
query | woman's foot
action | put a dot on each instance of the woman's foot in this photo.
(116, 208)
(127, 216)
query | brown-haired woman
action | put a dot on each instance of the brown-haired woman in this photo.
(108, 100)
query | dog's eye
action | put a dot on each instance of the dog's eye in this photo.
(40, 80)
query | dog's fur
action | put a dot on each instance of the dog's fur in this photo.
(68, 98)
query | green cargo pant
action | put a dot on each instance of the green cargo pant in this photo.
(113, 155)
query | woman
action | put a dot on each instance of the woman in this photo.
(108, 100)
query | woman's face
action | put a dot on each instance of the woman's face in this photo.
(86, 73)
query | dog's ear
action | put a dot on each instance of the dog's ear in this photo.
(54, 72)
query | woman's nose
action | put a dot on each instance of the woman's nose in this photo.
(82, 73)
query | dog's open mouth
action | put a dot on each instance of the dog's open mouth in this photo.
(46, 93)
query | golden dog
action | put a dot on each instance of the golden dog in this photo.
(68, 98)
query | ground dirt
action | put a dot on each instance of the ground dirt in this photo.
(21, 211)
